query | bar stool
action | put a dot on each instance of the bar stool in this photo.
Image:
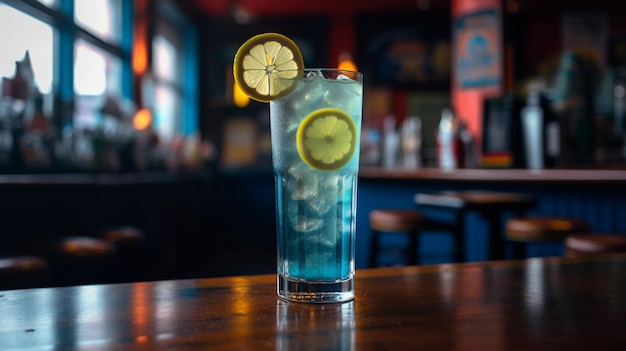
(594, 245)
(130, 246)
(403, 221)
(21, 272)
(490, 205)
(126, 239)
(73, 260)
(523, 230)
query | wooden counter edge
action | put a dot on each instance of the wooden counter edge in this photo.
(102, 179)
(496, 175)
(368, 273)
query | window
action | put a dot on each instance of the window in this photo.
(96, 74)
(72, 63)
(175, 80)
(167, 97)
(81, 55)
(100, 17)
(36, 37)
(97, 62)
(165, 60)
(50, 3)
(95, 71)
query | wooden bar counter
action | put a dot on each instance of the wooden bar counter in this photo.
(535, 304)
(478, 175)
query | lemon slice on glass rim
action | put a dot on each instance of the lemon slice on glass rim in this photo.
(326, 139)
(262, 59)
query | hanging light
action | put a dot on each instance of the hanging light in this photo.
(142, 119)
(346, 63)
(239, 98)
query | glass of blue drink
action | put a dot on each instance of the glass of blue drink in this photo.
(315, 132)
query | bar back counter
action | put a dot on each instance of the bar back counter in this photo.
(195, 219)
(596, 196)
(172, 208)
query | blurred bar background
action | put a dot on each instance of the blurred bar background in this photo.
(125, 113)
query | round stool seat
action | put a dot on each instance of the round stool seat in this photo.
(22, 272)
(132, 261)
(123, 237)
(528, 229)
(388, 220)
(485, 199)
(594, 244)
(71, 250)
(404, 221)
(73, 260)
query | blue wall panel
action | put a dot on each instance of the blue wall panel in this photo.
(602, 205)
(247, 211)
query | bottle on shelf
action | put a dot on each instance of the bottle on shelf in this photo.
(532, 123)
(412, 142)
(391, 142)
(551, 135)
(574, 104)
(449, 146)
(618, 115)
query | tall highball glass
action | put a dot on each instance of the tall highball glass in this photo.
(315, 130)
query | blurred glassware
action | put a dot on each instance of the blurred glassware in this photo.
(412, 142)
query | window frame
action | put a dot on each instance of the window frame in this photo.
(187, 87)
(61, 18)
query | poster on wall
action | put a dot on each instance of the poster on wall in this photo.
(478, 49)
(409, 57)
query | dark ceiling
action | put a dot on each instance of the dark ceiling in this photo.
(346, 7)
(303, 7)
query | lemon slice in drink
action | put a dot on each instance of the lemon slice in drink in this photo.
(262, 59)
(326, 139)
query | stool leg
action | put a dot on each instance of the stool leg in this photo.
(373, 259)
(459, 246)
(495, 240)
(519, 250)
(459, 238)
(413, 248)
